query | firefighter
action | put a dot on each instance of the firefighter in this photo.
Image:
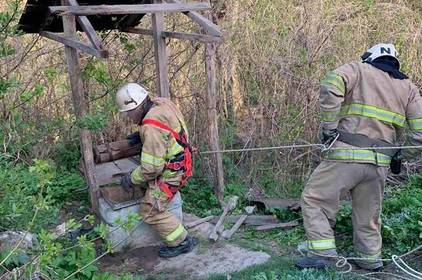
(363, 104)
(165, 164)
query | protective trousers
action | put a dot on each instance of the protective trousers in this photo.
(321, 198)
(154, 210)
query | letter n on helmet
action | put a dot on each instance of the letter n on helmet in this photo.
(381, 50)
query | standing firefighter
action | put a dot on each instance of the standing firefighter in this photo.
(165, 164)
(364, 104)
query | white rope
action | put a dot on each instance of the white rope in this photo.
(298, 146)
(344, 261)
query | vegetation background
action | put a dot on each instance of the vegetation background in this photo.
(269, 66)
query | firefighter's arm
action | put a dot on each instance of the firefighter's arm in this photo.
(152, 155)
(333, 89)
(414, 120)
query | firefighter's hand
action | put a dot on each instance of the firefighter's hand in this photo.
(127, 184)
(328, 135)
(134, 139)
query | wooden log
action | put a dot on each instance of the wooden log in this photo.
(80, 105)
(127, 9)
(87, 28)
(279, 225)
(214, 139)
(73, 43)
(161, 63)
(219, 226)
(208, 26)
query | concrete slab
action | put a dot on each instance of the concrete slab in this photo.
(205, 260)
(218, 259)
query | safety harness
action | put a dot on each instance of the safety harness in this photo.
(182, 161)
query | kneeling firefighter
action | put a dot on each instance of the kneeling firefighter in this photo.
(363, 105)
(165, 165)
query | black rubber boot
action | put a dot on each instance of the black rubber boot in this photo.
(374, 266)
(307, 262)
(185, 247)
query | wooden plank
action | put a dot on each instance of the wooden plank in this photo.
(279, 225)
(161, 60)
(87, 28)
(80, 105)
(128, 9)
(251, 220)
(214, 139)
(73, 43)
(209, 27)
(176, 35)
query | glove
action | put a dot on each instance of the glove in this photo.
(396, 163)
(134, 139)
(127, 184)
(328, 135)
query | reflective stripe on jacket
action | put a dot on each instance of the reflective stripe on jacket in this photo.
(359, 98)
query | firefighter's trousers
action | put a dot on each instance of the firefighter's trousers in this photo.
(321, 198)
(154, 210)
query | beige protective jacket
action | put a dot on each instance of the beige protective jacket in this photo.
(159, 146)
(359, 98)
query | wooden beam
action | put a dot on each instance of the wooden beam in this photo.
(87, 28)
(80, 106)
(141, 31)
(128, 9)
(161, 61)
(71, 42)
(208, 26)
(214, 139)
(176, 35)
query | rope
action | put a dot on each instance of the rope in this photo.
(297, 146)
(397, 260)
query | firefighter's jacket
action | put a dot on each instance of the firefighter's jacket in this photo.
(159, 146)
(359, 98)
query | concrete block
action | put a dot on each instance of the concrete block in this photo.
(143, 235)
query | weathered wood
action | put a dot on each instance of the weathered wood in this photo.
(251, 220)
(115, 150)
(198, 222)
(279, 225)
(231, 204)
(214, 139)
(80, 105)
(87, 28)
(161, 60)
(73, 43)
(229, 233)
(176, 35)
(127, 9)
(208, 26)
(140, 31)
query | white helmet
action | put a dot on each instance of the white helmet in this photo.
(380, 50)
(130, 96)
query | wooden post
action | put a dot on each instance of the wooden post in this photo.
(80, 105)
(161, 62)
(214, 139)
